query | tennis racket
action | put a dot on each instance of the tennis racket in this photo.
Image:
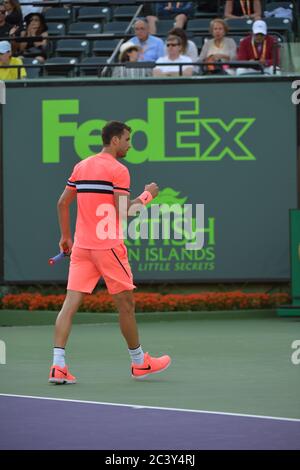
(57, 258)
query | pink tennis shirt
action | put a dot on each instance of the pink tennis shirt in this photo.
(96, 179)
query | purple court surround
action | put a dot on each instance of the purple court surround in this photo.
(28, 423)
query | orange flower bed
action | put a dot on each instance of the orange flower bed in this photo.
(151, 302)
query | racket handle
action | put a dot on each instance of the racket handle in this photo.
(57, 258)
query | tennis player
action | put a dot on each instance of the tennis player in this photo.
(101, 184)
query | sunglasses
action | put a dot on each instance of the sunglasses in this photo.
(133, 49)
(170, 44)
(2, 12)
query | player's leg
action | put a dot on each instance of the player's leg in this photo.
(59, 373)
(116, 272)
(63, 322)
(83, 277)
(125, 305)
(142, 364)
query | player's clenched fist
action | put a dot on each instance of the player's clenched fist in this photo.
(153, 189)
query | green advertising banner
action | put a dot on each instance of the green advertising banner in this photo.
(228, 145)
(295, 255)
(293, 310)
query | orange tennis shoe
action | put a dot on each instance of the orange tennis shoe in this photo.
(152, 365)
(61, 375)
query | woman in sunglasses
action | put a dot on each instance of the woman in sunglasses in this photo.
(174, 56)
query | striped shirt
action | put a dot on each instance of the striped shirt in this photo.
(95, 180)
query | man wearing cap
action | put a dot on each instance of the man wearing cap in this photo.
(259, 46)
(151, 47)
(7, 59)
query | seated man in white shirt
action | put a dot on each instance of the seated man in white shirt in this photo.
(174, 55)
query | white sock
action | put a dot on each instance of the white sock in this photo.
(137, 355)
(59, 357)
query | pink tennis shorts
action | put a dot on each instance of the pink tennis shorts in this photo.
(88, 266)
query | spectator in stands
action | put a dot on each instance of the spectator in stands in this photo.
(218, 49)
(6, 29)
(260, 47)
(174, 55)
(207, 6)
(27, 9)
(189, 48)
(149, 13)
(4, 26)
(35, 26)
(14, 15)
(178, 11)
(243, 9)
(129, 52)
(7, 59)
(151, 47)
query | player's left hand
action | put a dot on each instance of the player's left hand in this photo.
(153, 189)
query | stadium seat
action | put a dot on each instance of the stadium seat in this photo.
(273, 5)
(238, 38)
(104, 47)
(163, 27)
(239, 25)
(118, 27)
(83, 27)
(32, 72)
(92, 66)
(283, 26)
(58, 14)
(199, 41)
(72, 47)
(56, 29)
(200, 25)
(61, 66)
(280, 38)
(288, 5)
(203, 14)
(125, 12)
(96, 14)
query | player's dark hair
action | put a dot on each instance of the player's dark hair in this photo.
(112, 129)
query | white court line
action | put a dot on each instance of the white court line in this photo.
(162, 408)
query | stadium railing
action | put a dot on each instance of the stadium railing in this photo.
(76, 66)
